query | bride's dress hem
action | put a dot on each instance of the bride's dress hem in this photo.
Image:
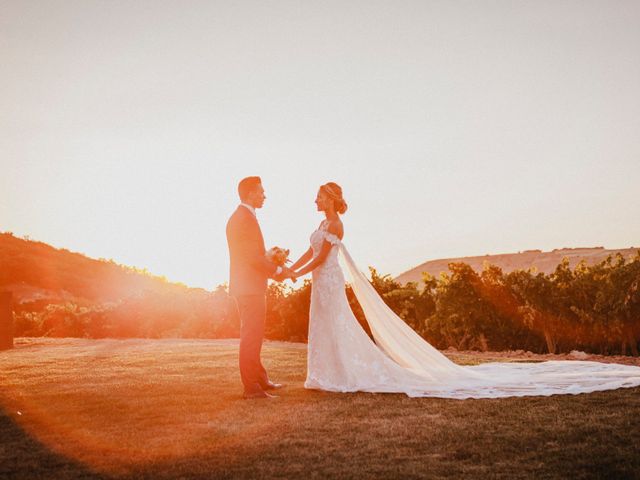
(460, 396)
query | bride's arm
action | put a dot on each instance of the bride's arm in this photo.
(316, 262)
(306, 256)
(334, 229)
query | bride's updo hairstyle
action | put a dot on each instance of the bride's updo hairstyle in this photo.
(334, 191)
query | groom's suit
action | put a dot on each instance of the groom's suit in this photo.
(249, 272)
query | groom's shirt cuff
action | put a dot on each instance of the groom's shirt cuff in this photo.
(278, 271)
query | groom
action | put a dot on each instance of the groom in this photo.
(249, 273)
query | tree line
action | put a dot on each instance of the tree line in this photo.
(594, 308)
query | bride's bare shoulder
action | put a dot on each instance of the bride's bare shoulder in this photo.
(336, 227)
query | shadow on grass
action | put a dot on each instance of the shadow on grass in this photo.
(22, 456)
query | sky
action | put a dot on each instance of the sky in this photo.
(456, 128)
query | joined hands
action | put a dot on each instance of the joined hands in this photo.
(286, 273)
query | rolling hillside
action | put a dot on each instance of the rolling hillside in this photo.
(37, 271)
(545, 262)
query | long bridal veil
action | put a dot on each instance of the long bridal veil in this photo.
(444, 378)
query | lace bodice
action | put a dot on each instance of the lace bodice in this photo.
(330, 265)
(319, 236)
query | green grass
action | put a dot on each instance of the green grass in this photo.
(172, 409)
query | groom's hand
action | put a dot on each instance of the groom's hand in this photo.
(290, 274)
(286, 273)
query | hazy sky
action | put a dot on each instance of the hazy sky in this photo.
(455, 128)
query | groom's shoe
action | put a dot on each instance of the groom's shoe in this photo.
(273, 386)
(257, 395)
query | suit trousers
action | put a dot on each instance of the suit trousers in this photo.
(253, 312)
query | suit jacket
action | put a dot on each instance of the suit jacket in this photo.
(249, 269)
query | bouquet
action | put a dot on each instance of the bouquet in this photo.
(278, 256)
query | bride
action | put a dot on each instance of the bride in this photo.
(342, 358)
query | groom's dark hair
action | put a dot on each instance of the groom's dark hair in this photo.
(248, 185)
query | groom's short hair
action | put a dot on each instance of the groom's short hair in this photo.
(248, 185)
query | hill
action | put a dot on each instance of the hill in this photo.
(34, 271)
(545, 262)
(58, 293)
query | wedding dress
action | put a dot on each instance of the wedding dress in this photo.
(342, 358)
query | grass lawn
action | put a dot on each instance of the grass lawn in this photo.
(72, 408)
